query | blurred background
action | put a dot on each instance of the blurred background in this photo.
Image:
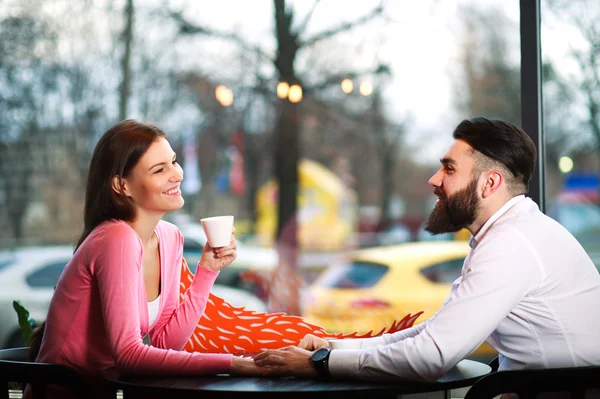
(316, 123)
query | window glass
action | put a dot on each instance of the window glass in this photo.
(47, 276)
(353, 275)
(571, 105)
(190, 244)
(5, 260)
(362, 99)
(444, 272)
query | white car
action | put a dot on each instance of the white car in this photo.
(30, 275)
(248, 257)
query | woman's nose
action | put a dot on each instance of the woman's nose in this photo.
(177, 174)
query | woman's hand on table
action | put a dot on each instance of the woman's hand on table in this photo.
(312, 342)
(245, 366)
(215, 259)
(288, 361)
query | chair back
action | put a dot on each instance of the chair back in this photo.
(578, 382)
(494, 364)
(14, 367)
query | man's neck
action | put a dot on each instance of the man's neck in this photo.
(488, 208)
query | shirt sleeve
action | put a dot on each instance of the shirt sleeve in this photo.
(182, 317)
(116, 269)
(362, 343)
(500, 272)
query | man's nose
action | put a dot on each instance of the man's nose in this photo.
(436, 179)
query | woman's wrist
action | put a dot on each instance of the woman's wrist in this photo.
(239, 364)
(202, 265)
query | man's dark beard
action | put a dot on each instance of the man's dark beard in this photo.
(453, 213)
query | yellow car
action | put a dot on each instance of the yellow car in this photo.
(376, 286)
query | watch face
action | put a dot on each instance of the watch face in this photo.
(320, 354)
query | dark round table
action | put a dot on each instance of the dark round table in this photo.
(463, 374)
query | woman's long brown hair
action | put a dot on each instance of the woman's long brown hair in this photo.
(116, 154)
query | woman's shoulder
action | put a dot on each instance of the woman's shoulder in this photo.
(114, 230)
(168, 231)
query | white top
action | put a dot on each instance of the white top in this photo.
(527, 287)
(153, 310)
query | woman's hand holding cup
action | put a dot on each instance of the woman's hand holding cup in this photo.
(216, 253)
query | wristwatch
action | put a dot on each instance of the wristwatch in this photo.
(320, 359)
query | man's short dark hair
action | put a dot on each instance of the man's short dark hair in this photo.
(503, 143)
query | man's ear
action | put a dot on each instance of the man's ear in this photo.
(493, 181)
(119, 186)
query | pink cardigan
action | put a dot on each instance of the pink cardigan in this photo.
(99, 312)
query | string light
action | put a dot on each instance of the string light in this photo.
(347, 86)
(295, 94)
(224, 95)
(282, 90)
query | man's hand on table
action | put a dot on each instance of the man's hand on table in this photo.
(288, 361)
(312, 342)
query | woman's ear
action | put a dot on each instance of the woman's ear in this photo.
(119, 186)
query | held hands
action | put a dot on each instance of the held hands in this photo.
(288, 361)
(243, 366)
(312, 343)
(215, 259)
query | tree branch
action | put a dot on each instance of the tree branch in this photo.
(343, 28)
(188, 28)
(337, 78)
(307, 18)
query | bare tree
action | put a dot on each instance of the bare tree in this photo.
(491, 85)
(291, 40)
(583, 16)
(127, 38)
(491, 81)
(387, 138)
(26, 80)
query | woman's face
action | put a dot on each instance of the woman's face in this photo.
(154, 183)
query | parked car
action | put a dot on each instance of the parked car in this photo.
(581, 216)
(376, 286)
(248, 257)
(30, 275)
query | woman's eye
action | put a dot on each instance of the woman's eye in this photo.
(158, 171)
(174, 162)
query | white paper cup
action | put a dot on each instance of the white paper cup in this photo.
(218, 230)
(347, 343)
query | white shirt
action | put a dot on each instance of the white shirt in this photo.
(527, 287)
(153, 310)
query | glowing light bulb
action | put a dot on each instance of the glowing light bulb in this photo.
(282, 90)
(565, 164)
(366, 88)
(295, 94)
(347, 86)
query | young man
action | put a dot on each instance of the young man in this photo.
(527, 287)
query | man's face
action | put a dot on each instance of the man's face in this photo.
(457, 189)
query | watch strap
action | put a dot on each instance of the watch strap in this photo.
(322, 364)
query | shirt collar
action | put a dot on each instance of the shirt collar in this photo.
(486, 226)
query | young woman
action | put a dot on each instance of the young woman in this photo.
(123, 280)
